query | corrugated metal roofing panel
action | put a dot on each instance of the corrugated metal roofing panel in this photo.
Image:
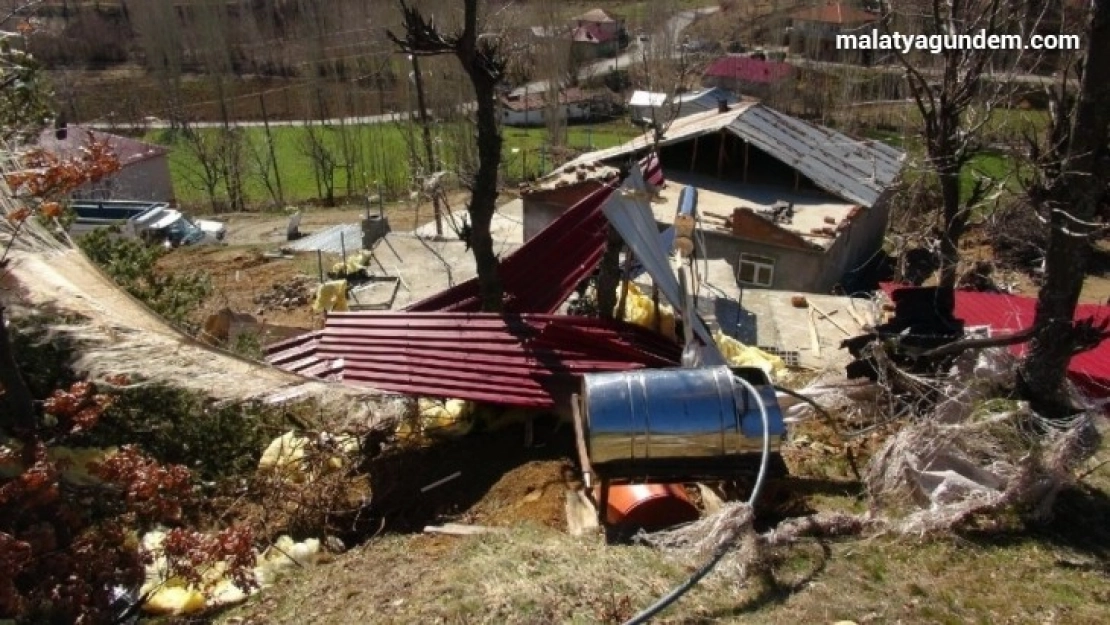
(540, 275)
(852, 169)
(680, 130)
(1006, 314)
(332, 240)
(855, 170)
(532, 360)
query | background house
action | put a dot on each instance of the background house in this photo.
(647, 106)
(746, 75)
(787, 204)
(144, 173)
(597, 34)
(814, 30)
(532, 109)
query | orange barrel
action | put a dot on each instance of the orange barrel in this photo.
(649, 505)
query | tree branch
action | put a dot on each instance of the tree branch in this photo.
(995, 341)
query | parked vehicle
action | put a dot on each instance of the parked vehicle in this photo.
(154, 222)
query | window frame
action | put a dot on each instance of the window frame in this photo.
(758, 262)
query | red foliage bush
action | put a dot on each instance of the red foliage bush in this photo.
(64, 547)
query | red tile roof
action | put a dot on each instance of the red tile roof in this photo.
(834, 13)
(592, 33)
(1012, 313)
(749, 70)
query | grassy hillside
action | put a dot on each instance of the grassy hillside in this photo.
(383, 156)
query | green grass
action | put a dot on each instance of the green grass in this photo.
(992, 164)
(383, 154)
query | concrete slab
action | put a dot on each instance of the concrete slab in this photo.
(720, 197)
(427, 266)
(768, 319)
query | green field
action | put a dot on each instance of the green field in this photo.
(382, 154)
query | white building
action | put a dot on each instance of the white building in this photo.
(646, 106)
(532, 109)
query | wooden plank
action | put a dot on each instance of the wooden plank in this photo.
(856, 317)
(828, 318)
(815, 341)
(582, 516)
(580, 440)
(459, 529)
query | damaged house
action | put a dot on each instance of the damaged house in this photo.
(532, 109)
(788, 204)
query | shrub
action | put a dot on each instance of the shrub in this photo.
(131, 263)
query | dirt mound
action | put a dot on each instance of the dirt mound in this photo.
(531, 493)
(246, 281)
(500, 481)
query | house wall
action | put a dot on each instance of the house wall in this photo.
(817, 40)
(146, 180)
(806, 269)
(857, 245)
(795, 269)
(543, 207)
(538, 117)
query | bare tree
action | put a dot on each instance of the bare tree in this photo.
(261, 167)
(233, 166)
(955, 101)
(485, 66)
(325, 164)
(204, 170)
(1072, 194)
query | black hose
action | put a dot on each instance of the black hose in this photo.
(666, 600)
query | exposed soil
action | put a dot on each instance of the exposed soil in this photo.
(242, 278)
(501, 481)
(276, 291)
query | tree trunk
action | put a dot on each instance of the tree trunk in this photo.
(18, 412)
(609, 275)
(955, 222)
(483, 198)
(1079, 192)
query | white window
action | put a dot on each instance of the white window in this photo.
(756, 270)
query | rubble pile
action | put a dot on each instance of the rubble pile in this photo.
(288, 295)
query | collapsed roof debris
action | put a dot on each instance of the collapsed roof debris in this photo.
(528, 360)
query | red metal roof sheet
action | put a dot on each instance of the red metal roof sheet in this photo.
(542, 273)
(1012, 313)
(529, 360)
(440, 347)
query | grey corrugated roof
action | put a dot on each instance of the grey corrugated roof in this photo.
(679, 130)
(851, 169)
(333, 240)
(855, 170)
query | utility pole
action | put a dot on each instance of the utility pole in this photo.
(429, 152)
